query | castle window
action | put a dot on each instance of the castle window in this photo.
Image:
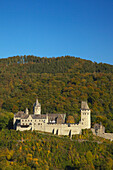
(28, 120)
(87, 113)
(25, 120)
(34, 123)
(23, 123)
(35, 120)
(22, 120)
(38, 123)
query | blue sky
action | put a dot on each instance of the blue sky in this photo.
(52, 28)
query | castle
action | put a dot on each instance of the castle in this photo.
(52, 123)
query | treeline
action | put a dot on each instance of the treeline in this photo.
(58, 92)
(32, 150)
(67, 64)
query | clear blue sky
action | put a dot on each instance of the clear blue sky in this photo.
(82, 28)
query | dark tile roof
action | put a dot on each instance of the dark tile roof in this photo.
(43, 116)
(22, 115)
(25, 116)
(19, 114)
(54, 116)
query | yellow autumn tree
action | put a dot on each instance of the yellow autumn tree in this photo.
(70, 119)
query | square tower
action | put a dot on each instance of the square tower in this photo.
(85, 115)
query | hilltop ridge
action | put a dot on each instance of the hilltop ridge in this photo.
(64, 64)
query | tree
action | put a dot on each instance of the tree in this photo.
(70, 119)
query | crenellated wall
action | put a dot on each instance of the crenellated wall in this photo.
(59, 129)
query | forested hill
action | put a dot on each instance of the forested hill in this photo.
(62, 64)
(60, 84)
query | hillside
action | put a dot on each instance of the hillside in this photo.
(60, 84)
(34, 150)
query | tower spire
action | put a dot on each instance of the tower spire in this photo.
(37, 108)
(37, 101)
(27, 111)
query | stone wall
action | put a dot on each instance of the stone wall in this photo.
(59, 129)
(102, 134)
(107, 136)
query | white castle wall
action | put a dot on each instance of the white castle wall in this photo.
(59, 129)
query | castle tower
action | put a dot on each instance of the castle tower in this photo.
(85, 115)
(37, 108)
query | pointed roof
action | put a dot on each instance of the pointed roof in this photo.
(26, 111)
(84, 105)
(37, 103)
